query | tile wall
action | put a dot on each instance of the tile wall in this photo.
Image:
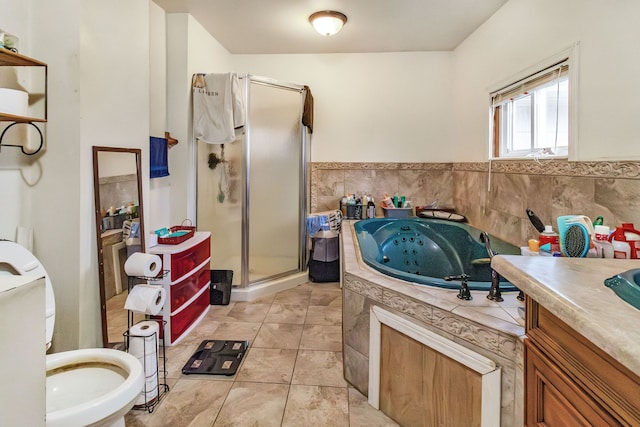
(493, 201)
(117, 190)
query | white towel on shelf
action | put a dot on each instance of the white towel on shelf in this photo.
(218, 108)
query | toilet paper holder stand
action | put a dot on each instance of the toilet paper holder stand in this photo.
(160, 372)
(158, 341)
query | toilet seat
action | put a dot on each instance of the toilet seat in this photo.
(24, 263)
(93, 386)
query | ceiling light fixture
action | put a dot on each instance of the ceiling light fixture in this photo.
(328, 22)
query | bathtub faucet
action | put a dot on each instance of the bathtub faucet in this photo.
(494, 291)
(464, 293)
(484, 238)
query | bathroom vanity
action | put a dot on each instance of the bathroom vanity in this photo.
(582, 346)
(186, 280)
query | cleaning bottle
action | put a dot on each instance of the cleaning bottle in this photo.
(625, 241)
(604, 248)
(550, 238)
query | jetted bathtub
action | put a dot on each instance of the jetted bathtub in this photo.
(425, 251)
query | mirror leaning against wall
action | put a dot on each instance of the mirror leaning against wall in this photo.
(117, 186)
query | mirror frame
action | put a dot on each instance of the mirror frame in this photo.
(98, 220)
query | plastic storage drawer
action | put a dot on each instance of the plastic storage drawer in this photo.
(181, 321)
(183, 291)
(184, 262)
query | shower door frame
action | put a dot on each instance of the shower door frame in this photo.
(302, 181)
(303, 206)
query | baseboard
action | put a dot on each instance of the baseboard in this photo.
(256, 291)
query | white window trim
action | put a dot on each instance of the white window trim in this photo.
(572, 53)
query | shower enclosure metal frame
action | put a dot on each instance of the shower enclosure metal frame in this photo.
(303, 184)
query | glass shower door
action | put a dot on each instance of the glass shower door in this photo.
(274, 152)
(219, 207)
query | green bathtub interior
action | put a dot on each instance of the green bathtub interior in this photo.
(424, 251)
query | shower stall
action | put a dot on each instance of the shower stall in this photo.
(252, 194)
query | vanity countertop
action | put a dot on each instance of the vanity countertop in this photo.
(573, 290)
(111, 237)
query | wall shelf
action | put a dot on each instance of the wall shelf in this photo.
(9, 58)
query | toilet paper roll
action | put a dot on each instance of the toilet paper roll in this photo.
(143, 345)
(141, 264)
(147, 299)
(149, 391)
(149, 363)
(14, 102)
(144, 338)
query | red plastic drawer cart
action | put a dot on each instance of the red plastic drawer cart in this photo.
(186, 283)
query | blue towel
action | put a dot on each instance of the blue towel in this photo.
(158, 154)
(314, 223)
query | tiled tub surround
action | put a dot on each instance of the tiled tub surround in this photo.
(491, 329)
(422, 183)
(550, 187)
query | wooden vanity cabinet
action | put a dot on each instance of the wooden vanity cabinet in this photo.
(571, 382)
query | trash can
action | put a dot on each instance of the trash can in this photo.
(324, 263)
(220, 288)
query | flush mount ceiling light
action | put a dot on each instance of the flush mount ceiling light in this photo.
(328, 22)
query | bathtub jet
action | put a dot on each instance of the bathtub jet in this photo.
(425, 251)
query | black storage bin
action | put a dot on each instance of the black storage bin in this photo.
(320, 271)
(324, 262)
(221, 287)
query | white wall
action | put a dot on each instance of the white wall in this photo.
(63, 247)
(524, 32)
(370, 107)
(190, 50)
(98, 94)
(115, 112)
(15, 208)
(158, 207)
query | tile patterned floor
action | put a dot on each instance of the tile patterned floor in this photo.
(291, 376)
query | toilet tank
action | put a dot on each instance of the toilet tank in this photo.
(15, 260)
(23, 368)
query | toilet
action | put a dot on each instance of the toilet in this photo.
(86, 387)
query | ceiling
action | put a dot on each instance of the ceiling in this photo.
(282, 26)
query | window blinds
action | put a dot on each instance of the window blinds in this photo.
(521, 87)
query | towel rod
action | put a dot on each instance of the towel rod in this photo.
(170, 141)
(22, 146)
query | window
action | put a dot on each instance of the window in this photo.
(531, 115)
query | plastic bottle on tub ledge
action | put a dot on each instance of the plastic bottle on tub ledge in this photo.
(549, 240)
(626, 242)
(604, 248)
(387, 202)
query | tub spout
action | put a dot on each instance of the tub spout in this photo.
(484, 238)
(464, 293)
(494, 291)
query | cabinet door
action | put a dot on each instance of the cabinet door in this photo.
(554, 400)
